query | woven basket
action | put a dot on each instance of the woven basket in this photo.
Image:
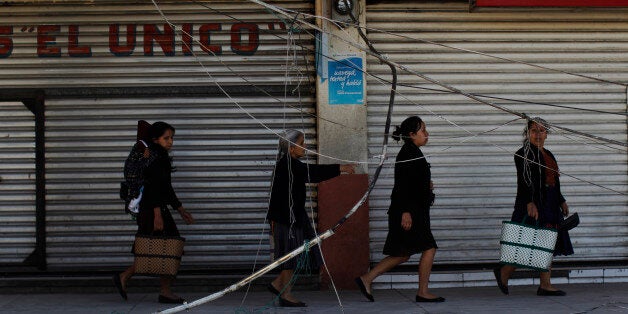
(158, 255)
(527, 246)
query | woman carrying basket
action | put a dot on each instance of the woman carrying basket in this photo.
(539, 197)
(154, 215)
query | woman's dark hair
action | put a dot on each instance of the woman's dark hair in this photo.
(158, 129)
(409, 125)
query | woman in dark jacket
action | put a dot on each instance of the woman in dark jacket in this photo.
(409, 213)
(154, 215)
(538, 197)
(290, 225)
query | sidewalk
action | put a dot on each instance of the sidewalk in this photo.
(581, 298)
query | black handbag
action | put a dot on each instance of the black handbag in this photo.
(570, 222)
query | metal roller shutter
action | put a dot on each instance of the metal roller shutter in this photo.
(474, 176)
(17, 182)
(223, 157)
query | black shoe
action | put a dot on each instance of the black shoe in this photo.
(360, 283)
(422, 299)
(118, 283)
(164, 299)
(557, 293)
(285, 303)
(498, 276)
(272, 289)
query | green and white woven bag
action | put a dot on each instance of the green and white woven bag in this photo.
(527, 246)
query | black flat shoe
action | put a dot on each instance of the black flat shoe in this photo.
(285, 303)
(422, 299)
(360, 283)
(498, 276)
(118, 283)
(164, 299)
(557, 293)
(272, 289)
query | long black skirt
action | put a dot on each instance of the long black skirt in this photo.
(286, 239)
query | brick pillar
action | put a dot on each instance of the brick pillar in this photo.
(347, 251)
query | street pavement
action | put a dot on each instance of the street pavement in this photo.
(581, 298)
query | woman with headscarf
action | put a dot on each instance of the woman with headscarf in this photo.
(539, 197)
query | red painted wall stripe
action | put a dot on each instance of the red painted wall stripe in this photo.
(551, 3)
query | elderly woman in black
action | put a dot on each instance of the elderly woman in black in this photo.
(539, 197)
(154, 215)
(409, 213)
(290, 225)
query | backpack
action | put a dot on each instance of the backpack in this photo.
(133, 185)
(131, 189)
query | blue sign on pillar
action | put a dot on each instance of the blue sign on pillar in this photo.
(346, 81)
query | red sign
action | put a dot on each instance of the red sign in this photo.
(127, 39)
(551, 3)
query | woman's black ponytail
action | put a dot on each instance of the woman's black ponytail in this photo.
(410, 125)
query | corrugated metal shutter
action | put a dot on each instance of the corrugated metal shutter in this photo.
(223, 157)
(474, 177)
(17, 182)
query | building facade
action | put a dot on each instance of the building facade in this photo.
(75, 77)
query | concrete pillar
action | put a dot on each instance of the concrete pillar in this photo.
(342, 133)
(341, 124)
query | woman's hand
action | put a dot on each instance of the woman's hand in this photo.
(406, 221)
(565, 208)
(158, 223)
(187, 217)
(533, 211)
(347, 168)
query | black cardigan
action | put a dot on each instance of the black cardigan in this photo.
(411, 192)
(158, 191)
(532, 191)
(279, 208)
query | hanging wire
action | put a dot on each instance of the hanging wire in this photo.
(291, 27)
(382, 81)
(377, 157)
(457, 91)
(340, 23)
(330, 231)
(517, 100)
(340, 26)
(317, 239)
(437, 82)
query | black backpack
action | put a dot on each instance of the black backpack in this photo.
(136, 163)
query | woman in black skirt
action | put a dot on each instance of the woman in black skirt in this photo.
(154, 215)
(290, 225)
(409, 213)
(539, 197)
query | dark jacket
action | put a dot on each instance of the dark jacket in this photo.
(158, 189)
(531, 185)
(411, 192)
(280, 198)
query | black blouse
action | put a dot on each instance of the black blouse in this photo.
(531, 178)
(158, 191)
(411, 192)
(283, 197)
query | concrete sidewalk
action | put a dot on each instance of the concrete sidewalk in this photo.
(581, 298)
